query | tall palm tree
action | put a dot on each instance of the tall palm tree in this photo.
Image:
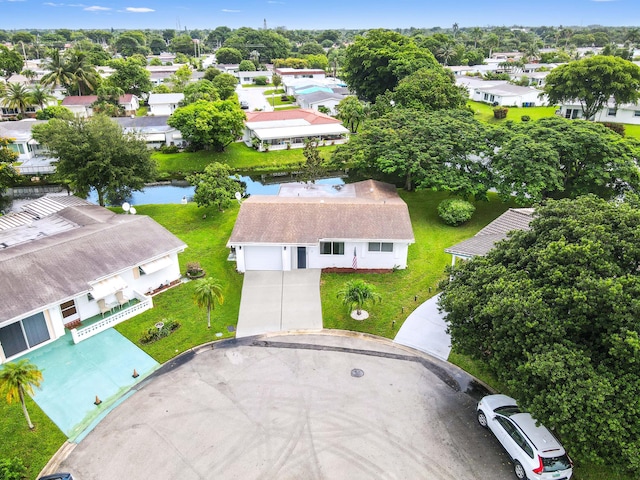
(356, 293)
(59, 71)
(16, 378)
(85, 77)
(16, 96)
(446, 53)
(40, 95)
(207, 292)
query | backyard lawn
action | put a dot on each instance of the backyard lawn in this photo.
(237, 155)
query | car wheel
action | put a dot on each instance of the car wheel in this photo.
(519, 470)
(482, 419)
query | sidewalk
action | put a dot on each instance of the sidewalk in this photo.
(426, 330)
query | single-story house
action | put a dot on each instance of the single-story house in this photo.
(249, 77)
(509, 95)
(363, 226)
(282, 129)
(164, 103)
(496, 231)
(153, 129)
(473, 83)
(294, 86)
(320, 98)
(69, 264)
(82, 105)
(293, 73)
(612, 113)
(22, 141)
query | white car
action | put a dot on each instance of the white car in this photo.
(536, 453)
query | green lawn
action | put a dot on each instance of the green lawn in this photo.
(484, 112)
(34, 447)
(237, 155)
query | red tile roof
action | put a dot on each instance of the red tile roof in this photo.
(311, 116)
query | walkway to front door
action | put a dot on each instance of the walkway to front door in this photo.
(276, 301)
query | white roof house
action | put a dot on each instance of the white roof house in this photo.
(612, 113)
(65, 261)
(164, 103)
(509, 95)
(364, 226)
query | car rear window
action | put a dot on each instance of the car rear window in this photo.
(507, 410)
(554, 464)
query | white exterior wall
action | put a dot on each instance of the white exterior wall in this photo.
(80, 110)
(623, 115)
(508, 100)
(162, 108)
(331, 104)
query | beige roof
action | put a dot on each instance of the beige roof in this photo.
(485, 239)
(368, 210)
(59, 264)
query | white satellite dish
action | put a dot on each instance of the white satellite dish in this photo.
(238, 196)
(126, 207)
(133, 211)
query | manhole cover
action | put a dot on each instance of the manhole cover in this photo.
(356, 372)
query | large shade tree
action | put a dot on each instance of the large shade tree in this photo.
(8, 174)
(553, 313)
(209, 125)
(377, 61)
(130, 76)
(95, 153)
(594, 81)
(16, 380)
(431, 88)
(215, 186)
(10, 62)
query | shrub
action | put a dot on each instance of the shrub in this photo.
(454, 211)
(54, 111)
(154, 333)
(169, 148)
(616, 127)
(12, 469)
(500, 112)
(260, 80)
(525, 118)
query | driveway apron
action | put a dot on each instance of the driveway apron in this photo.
(276, 301)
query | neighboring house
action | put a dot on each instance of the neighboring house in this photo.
(295, 86)
(473, 83)
(164, 103)
(65, 262)
(33, 157)
(612, 113)
(485, 239)
(536, 79)
(249, 77)
(153, 129)
(318, 99)
(508, 95)
(363, 226)
(294, 73)
(82, 105)
(284, 129)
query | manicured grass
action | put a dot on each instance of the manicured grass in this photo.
(484, 113)
(632, 131)
(237, 155)
(403, 290)
(34, 447)
(142, 112)
(206, 239)
(279, 91)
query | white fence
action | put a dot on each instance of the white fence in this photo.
(81, 334)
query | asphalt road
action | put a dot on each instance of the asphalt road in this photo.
(293, 407)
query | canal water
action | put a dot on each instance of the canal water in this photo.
(174, 192)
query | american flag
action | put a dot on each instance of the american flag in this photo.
(354, 264)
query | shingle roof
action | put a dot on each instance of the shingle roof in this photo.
(143, 122)
(91, 99)
(93, 244)
(365, 210)
(485, 239)
(310, 116)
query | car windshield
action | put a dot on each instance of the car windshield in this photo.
(507, 410)
(554, 464)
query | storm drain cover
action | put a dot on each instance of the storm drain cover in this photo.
(356, 372)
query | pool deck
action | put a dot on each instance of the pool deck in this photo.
(74, 375)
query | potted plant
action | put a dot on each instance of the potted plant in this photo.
(194, 270)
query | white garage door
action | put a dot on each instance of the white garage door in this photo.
(262, 258)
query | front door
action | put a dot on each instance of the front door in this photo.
(302, 257)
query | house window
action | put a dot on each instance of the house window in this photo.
(27, 333)
(486, 96)
(16, 147)
(611, 112)
(331, 248)
(636, 113)
(68, 308)
(380, 247)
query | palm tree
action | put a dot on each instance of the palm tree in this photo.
(16, 96)
(356, 293)
(206, 293)
(18, 378)
(59, 71)
(40, 95)
(446, 53)
(85, 77)
(30, 74)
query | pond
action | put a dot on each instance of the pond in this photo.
(175, 191)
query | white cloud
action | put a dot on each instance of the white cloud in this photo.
(226, 10)
(96, 8)
(139, 9)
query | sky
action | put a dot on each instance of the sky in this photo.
(313, 14)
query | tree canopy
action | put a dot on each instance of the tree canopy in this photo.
(553, 312)
(430, 88)
(209, 125)
(593, 81)
(130, 76)
(8, 174)
(96, 154)
(10, 62)
(376, 62)
(559, 158)
(215, 186)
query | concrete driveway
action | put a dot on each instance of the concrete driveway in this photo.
(255, 97)
(303, 406)
(277, 301)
